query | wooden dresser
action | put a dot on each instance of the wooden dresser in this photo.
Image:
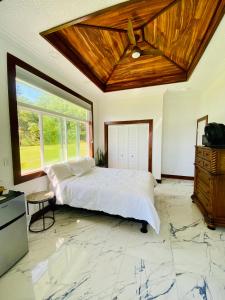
(209, 185)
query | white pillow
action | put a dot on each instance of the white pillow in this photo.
(58, 172)
(81, 166)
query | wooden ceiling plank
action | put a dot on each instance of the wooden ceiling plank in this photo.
(87, 17)
(103, 53)
(100, 49)
(82, 19)
(182, 52)
(160, 12)
(217, 17)
(74, 59)
(146, 82)
(167, 58)
(145, 67)
(138, 11)
(115, 66)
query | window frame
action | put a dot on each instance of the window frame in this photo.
(12, 63)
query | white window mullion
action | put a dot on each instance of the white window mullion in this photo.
(88, 138)
(49, 112)
(78, 138)
(65, 148)
(62, 138)
(41, 138)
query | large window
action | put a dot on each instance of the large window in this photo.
(53, 124)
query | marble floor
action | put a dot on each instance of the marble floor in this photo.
(88, 256)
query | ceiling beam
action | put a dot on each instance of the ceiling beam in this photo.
(100, 27)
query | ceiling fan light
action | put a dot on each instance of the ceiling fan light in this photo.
(136, 53)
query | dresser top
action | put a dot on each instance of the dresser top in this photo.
(219, 148)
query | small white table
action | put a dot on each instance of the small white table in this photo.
(41, 198)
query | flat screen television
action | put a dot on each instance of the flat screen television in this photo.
(214, 135)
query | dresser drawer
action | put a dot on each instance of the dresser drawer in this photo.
(209, 166)
(203, 176)
(205, 164)
(206, 202)
(199, 161)
(204, 188)
(205, 153)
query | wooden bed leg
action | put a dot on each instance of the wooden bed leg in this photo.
(144, 227)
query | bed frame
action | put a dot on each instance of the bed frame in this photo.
(144, 224)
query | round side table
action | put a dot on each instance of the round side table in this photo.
(41, 198)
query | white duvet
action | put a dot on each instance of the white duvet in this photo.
(128, 193)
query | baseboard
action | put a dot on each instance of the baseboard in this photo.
(178, 177)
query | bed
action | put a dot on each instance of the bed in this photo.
(127, 193)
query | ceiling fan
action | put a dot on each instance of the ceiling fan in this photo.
(136, 52)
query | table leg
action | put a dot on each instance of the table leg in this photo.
(43, 215)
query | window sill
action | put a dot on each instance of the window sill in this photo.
(26, 177)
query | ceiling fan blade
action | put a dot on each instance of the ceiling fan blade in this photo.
(130, 32)
(153, 52)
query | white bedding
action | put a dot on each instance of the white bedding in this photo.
(128, 193)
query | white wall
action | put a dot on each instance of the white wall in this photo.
(175, 112)
(6, 174)
(134, 105)
(179, 132)
(213, 101)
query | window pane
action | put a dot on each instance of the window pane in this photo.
(52, 139)
(84, 147)
(29, 136)
(71, 139)
(29, 94)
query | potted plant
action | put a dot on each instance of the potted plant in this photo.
(100, 158)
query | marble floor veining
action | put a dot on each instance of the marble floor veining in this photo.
(89, 256)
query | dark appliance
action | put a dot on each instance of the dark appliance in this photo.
(214, 135)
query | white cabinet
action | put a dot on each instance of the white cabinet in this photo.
(128, 146)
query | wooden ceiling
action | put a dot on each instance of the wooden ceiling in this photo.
(98, 44)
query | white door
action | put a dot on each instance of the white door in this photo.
(143, 146)
(123, 147)
(128, 146)
(133, 146)
(113, 147)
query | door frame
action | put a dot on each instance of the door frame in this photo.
(150, 136)
(204, 119)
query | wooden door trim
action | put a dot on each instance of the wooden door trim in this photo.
(12, 63)
(202, 119)
(150, 136)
